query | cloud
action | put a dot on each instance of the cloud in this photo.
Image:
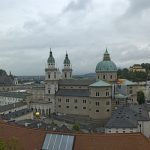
(84, 28)
(77, 5)
(137, 7)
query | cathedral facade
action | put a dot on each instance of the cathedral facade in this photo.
(95, 97)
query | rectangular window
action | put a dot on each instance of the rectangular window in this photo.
(59, 106)
(97, 103)
(49, 91)
(97, 110)
(84, 107)
(67, 100)
(59, 99)
(97, 93)
(130, 92)
(84, 101)
(75, 101)
(107, 93)
(67, 106)
(54, 75)
(107, 103)
(49, 76)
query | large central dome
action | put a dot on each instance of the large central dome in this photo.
(106, 65)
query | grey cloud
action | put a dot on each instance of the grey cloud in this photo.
(84, 34)
(77, 5)
(136, 7)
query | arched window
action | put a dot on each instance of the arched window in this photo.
(110, 76)
(104, 76)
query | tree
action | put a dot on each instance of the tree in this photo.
(76, 127)
(140, 97)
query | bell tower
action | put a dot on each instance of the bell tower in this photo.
(52, 75)
(67, 70)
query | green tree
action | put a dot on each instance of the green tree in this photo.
(76, 127)
(140, 97)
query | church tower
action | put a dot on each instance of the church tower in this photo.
(52, 75)
(67, 70)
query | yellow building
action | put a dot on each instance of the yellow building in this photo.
(137, 68)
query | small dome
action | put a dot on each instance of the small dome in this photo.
(67, 61)
(51, 59)
(106, 65)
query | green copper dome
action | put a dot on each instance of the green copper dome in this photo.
(67, 61)
(106, 65)
(51, 59)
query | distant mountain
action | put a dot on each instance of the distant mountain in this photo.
(85, 75)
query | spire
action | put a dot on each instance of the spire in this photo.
(51, 55)
(51, 58)
(106, 56)
(66, 60)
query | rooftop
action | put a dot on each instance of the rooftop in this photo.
(17, 114)
(31, 139)
(14, 94)
(125, 82)
(128, 117)
(73, 92)
(77, 82)
(100, 83)
(11, 106)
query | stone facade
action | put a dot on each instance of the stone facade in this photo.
(94, 98)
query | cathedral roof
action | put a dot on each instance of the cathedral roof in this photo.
(76, 82)
(106, 65)
(100, 83)
(73, 92)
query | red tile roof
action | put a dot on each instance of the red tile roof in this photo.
(32, 139)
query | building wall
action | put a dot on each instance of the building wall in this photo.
(100, 92)
(132, 93)
(95, 108)
(9, 100)
(42, 108)
(38, 93)
(121, 130)
(100, 108)
(106, 76)
(118, 102)
(72, 105)
(7, 88)
(144, 127)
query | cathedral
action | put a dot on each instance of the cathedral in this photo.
(95, 97)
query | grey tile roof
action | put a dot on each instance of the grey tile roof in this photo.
(77, 82)
(11, 106)
(128, 117)
(73, 92)
(14, 94)
(16, 114)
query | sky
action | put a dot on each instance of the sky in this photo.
(82, 28)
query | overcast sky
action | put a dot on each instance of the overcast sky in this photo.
(83, 28)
